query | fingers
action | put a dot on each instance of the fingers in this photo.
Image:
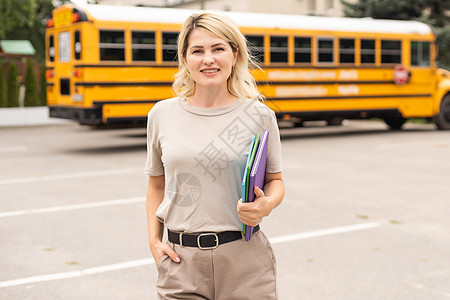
(253, 206)
(161, 249)
(249, 221)
(248, 213)
(258, 192)
(172, 254)
(251, 213)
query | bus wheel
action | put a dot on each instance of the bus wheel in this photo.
(395, 123)
(336, 121)
(442, 120)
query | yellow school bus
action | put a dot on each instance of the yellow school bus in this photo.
(109, 65)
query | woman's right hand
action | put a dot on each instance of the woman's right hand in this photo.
(160, 249)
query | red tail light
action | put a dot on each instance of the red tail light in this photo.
(49, 74)
(50, 23)
(77, 73)
(75, 17)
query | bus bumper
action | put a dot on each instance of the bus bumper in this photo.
(85, 116)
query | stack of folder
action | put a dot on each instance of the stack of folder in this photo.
(255, 171)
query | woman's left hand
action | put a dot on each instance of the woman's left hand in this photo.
(251, 213)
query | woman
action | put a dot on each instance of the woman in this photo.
(198, 144)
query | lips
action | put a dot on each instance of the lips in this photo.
(210, 71)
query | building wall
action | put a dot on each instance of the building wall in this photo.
(302, 7)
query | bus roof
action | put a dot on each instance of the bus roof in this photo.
(244, 19)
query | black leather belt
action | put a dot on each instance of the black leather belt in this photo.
(209, 240)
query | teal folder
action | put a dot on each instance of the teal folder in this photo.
(247, 171)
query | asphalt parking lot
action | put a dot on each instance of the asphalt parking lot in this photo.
(366, 213)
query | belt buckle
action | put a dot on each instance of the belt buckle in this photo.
(210, 247)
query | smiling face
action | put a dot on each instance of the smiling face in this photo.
(209, 59)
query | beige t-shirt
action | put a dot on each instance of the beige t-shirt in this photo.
(202, 152)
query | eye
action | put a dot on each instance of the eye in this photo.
(218, 49)
(196, 51)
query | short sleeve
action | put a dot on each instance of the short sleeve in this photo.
(274, 151)
(154, 165)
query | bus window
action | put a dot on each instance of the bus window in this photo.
(64, 47)
(391, 52)
(51, 48)
(112, 45)
(169, 46)
(256, 46)
(347, 51)
(77, 45)
(302, 47)
(420, 54)
(367, 51)
(325, 49)
(143, 45)
(279, 49)
(64, 86)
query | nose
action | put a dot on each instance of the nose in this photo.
(208, 59)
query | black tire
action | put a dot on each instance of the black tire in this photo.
(395, 123)
(336, 121)
(442, 120)
(298, 124)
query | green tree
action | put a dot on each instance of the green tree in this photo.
(3, 101)
(443, 37)
(43, 87)
(16, 14)
(432, 12)
(13, 85)
(27, 21)
(31, 94)
(34, 29)
(384, 9)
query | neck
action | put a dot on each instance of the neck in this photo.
(211, 98)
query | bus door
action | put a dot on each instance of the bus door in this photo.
(63, 69)
(67, 50)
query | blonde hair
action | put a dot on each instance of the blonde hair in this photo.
(240, 83)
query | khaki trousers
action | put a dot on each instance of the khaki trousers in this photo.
(236, 270)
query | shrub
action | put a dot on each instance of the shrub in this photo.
(43, 87)
(13, 85)
(3, 101)
(31, 94)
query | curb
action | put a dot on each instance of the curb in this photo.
(27, 116)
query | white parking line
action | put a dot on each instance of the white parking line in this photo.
(90, 271)
(149, 261)
(414, 145)
(69, 175)
(13, 149)
(71, 207)
(330, 231)
(32, 159)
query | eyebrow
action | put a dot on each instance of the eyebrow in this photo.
(212, 46)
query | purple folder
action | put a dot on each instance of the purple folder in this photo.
(257, 174)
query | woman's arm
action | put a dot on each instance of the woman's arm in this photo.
(265, 201)
(155, 195)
